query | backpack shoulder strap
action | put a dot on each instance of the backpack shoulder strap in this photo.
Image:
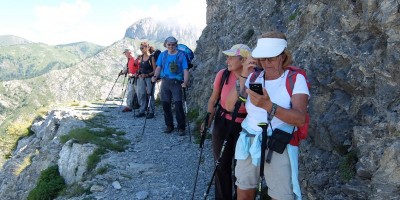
(291, 78)
(224, 80)
(165, 56)
(150, 57)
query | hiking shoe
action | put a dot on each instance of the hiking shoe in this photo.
(136, 106)
(126, 109)
(181, 132)
(150, 115)
(169, 129)
(140, 115)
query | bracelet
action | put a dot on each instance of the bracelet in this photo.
(243, 76)
(273, 111)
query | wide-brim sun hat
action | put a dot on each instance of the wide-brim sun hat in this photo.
(238, 50)
(269, 47)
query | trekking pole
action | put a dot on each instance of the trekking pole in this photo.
(124, 86)
(148, 107)
(110, 91)
(201, 145)
(264, 127)
(227, 134)
(186, 112)
(134, 110)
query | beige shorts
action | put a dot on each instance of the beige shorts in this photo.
(277, 175)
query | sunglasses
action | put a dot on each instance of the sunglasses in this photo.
(142, 47)
(269, 59)
(171, 45)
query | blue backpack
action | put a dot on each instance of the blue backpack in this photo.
(188, 54)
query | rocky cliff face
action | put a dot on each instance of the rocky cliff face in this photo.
(351, 51)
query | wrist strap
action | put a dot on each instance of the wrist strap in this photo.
(272, 113)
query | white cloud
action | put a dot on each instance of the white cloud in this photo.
(65, 22)
(184, 11)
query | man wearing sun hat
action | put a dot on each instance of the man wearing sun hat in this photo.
(172, 68)
(224, 127)
(131, 69)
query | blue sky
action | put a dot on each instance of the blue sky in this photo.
(99, 21)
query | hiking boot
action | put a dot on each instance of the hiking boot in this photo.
(140, 115)
(126, 109)
(150, 116)
(181, 132)
(136, 106)
(169, 129)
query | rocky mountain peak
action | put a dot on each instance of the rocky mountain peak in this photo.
(156, 30)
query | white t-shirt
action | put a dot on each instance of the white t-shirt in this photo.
(278, 93)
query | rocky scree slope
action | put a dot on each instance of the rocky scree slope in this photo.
(351, 51)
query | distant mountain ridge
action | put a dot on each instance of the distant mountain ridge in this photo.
(6, 40)
(151, 29)
(27, 60)
(86, 79)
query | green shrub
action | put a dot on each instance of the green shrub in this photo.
(292, 16)
(193, 114)
(74, 190)
(50, 184)
(347, 166)
(101, 138)
(104, 139)
(95, 158)
(248, 34)
(103, 169)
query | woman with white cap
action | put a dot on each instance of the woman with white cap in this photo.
(224, 128)
(281, 112)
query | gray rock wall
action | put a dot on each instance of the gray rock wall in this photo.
(351, 51)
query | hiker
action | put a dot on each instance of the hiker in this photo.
(147, 66)
(172, 68)
(131, 71)
(225, 81)
(284, 113)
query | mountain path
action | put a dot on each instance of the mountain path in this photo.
(155, 165)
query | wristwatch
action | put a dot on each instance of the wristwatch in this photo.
(273, 111)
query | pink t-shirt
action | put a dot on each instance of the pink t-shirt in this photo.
(225, 91)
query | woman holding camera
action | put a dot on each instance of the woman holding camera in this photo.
(276, 109)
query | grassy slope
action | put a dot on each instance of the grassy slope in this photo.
(30, 60)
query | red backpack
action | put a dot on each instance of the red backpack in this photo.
(302, 132)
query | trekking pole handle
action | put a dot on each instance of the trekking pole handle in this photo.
(204, 132)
